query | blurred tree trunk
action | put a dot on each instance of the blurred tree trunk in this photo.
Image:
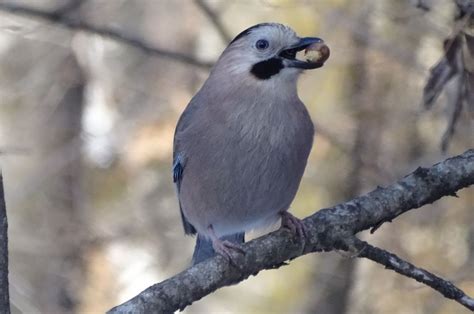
(58, 141)
(389, 111)
(337, 290)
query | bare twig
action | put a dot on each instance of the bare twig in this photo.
(422, 5)
(455, 65)
(447, 67)
(4, 287)
(456, 113)
(395, 263)
(214, 19)
(108, 32)
(327, 230)
(465, 6)
(70, 6)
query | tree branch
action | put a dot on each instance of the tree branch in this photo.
(69, 6)
(465, 6)
(395, 263)
(4, 287)
(73, 23)
(327, 229)
(214, 19)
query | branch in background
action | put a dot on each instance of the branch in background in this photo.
(395, 263)
(468, 56)
(456, 113)
(70, 6)
(108, 32)
(465, 6)
(422, 5)
(4, 287)
(327, 230)
(457, 64)
(60, 17)
(214, 19)
(449, 65)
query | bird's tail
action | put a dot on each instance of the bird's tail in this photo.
(203, 249)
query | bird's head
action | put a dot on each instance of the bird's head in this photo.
(267, 51)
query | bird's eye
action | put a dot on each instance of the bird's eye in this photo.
(262, 44)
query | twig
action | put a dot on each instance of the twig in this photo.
(420, 4)
(453, 65)
(395, 263)
(4, 287)
(456, 113)
(440, 74)
(465, 6)
(327, 230)
(214, 19)
(108, 32)
(70, 6)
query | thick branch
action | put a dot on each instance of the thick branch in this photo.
(4, 290)
(395, 263)
(77, 24)
(327, 230)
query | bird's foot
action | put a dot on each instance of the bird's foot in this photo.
(225, 248)
(293, 223)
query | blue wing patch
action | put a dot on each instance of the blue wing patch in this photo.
(177, 171)
(178, 168)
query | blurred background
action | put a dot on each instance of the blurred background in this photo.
(86, 132)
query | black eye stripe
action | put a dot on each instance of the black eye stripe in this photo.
(266, 69)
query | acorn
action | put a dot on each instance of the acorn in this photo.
(317, 53)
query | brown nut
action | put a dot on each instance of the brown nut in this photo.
(317, 53)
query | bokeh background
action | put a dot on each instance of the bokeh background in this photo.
(86, 131)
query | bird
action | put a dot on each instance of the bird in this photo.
(242, 143)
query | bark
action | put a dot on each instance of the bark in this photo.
(4, 287)
(328, 229)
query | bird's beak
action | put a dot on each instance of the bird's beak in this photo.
(289, 54)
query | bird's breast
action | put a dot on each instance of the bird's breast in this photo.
(247, 167)
(273, 123)
(266, 150)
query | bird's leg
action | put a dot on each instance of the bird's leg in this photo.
(224, 248)
(293, 223)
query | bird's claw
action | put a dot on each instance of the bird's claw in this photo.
(294, 224)
(225, 249)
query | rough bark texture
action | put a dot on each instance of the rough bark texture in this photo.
(4, 288)
(327, 229)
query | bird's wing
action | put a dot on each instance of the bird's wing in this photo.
(179, 161)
